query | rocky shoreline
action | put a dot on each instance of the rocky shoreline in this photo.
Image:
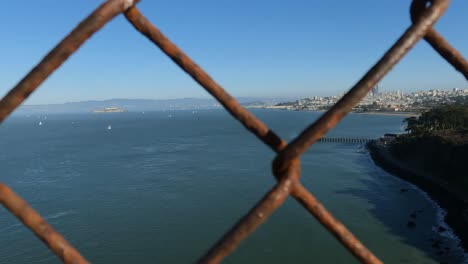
(452, 200)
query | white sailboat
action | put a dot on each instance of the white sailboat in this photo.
(40, 123)
(109, 127)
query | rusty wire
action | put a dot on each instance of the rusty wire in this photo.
(60, 54)
(286, 165)
(327, 121)
(251, 122)
(444, 49)
(30, 218)
(245, 226)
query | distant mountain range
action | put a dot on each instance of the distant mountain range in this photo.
(133, 105)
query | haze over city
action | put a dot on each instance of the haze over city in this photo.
(255, 49)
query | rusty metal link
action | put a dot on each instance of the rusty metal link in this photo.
(23, 89)
(445, 50)
(30, 218)
(255, 217)
(329, 120)
(309, 202)
(247, 119)
(250, 221)
(286, 165)
(60, 53)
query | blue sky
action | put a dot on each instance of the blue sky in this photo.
(252, 48)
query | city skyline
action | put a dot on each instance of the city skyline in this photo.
(266, 50)
(280, 99)
(393, 101)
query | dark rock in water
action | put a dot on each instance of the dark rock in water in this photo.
(440, 253)
(413, 215)
(441, 229)
(411, 224)
(403, 190)
(420, 211)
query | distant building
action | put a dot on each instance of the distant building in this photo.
(375, 90)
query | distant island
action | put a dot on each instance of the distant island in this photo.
(110, 110)
(433, 154)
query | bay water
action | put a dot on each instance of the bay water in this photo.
(162, 187)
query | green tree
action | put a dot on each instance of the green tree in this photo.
(450, 117)
(412, 124)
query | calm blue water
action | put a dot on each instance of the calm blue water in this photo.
(161, 187)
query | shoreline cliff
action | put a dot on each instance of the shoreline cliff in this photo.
(452, 199)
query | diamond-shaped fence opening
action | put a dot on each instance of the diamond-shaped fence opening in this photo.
(286, 165)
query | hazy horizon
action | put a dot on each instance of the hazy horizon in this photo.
(271, 49)
(209, 97)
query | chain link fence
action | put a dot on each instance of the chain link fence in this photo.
(286, 165)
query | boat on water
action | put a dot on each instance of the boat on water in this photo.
(109, 127)
(40, 123)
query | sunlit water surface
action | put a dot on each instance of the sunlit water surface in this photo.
(162, 187)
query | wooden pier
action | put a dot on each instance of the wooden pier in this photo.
(345, 140)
